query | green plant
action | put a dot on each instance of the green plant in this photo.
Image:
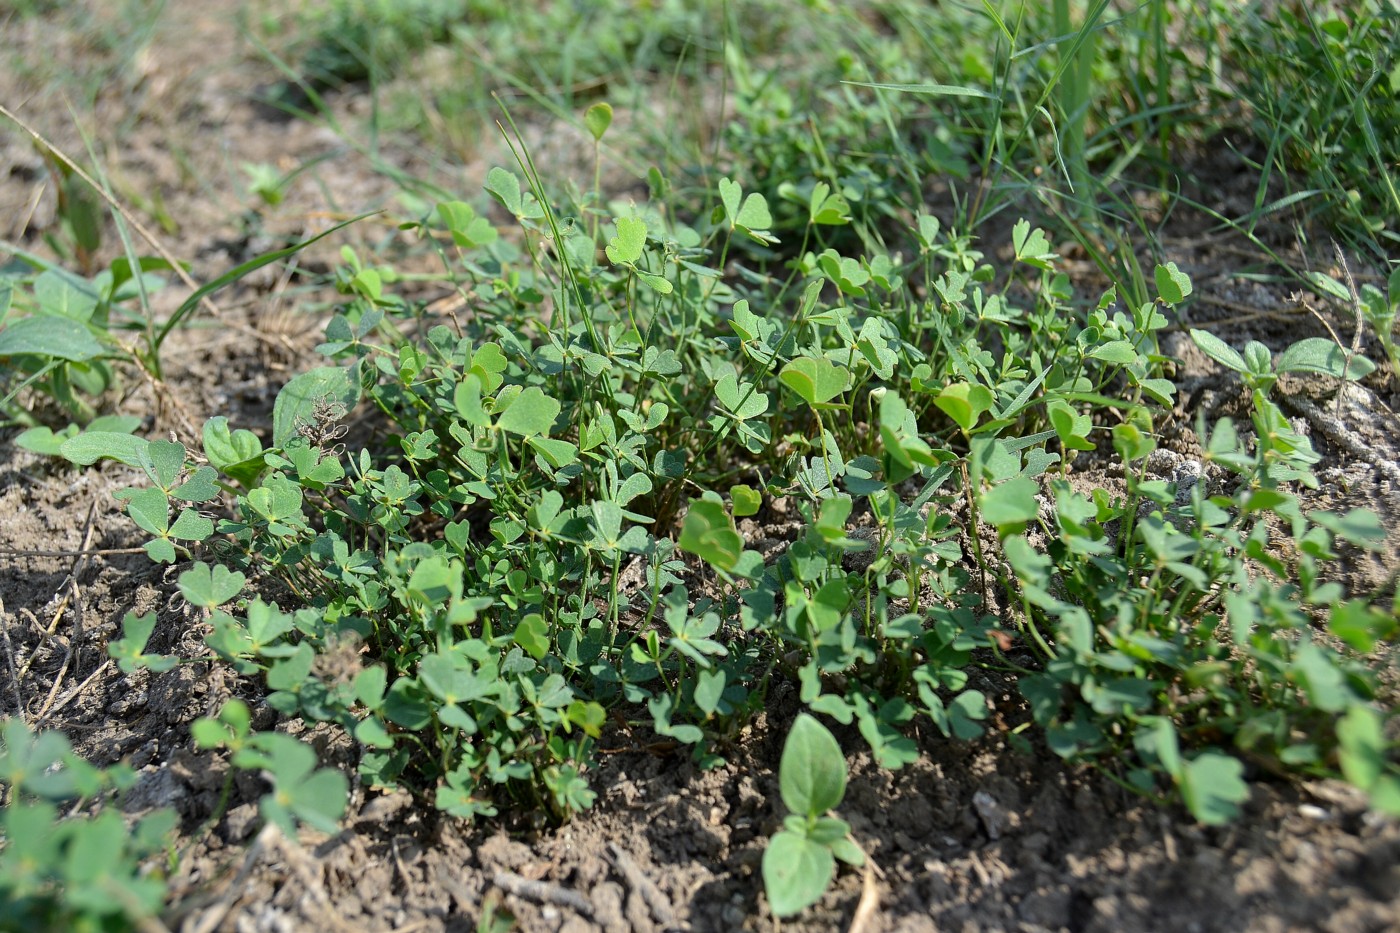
(542, 526)
(1132, 593)
(800, 860)
(1284, 453)
(66, 337)
(1377, 308)
(85, 868)
(1321, 82)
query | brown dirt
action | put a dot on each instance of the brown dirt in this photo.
(974, 837)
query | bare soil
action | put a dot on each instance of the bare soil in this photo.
(979, 836)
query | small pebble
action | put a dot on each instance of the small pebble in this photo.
(1314, 812)
(991, 814)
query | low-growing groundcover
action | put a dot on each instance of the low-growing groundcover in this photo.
(476, 550)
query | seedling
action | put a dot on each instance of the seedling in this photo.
(800, 860)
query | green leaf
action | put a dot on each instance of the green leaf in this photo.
(965, 713)
(1032, 247)
(50, 336)
(208, 587)
(468, 230)
(796, 872)
(827, 209)
(709, 534)
(557, 453)
(750, 215)
(406, 704)
(1218, 350)
(1321, 678)
(1071, 427)
(812, 772)
(466, 399)
(657, 283)
(130, 650)
(370, 685)
(303, 400)
(450, 683)
(161, 551)
(530, 412)
(1173, 285)
(43, 440)
(1361, 625)
(1363, 747)
(597, 119)
(1320, 355)
(746, 500)
(163, 460)
(189, 525)
(150, 510)
(754, 215)
(1213, 787)
(1328, 286)
(60, 292)
(1120, 352)
(730, 194)
(742, 400)
(233, 453)
(315, 797)
(709, 690)
(965, 403)
(200, 486)
(1010, 504)
(33, 762)
(1360, 527)
(436, 580)
(506, 187)
(626, 247)
(90, 446)
(532, 634)
(815, 381)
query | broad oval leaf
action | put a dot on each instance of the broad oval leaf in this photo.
(796, 872)
(49, 335)
(812, 773)
(1218, 350)
(91, 446)
(303, 401)
(1320, 355)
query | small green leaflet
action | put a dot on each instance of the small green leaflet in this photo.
(749, 215)
(597, 119)
(709, 534)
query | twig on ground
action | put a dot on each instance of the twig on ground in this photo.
(1335, 431)
(73, 694)
(638, 881)
(542, 892)
(10, 661)
(869, 903)
(1355, 347)
(78, 612)
(211, 918)
(296, 857)
(97, 552)
(62, 668)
